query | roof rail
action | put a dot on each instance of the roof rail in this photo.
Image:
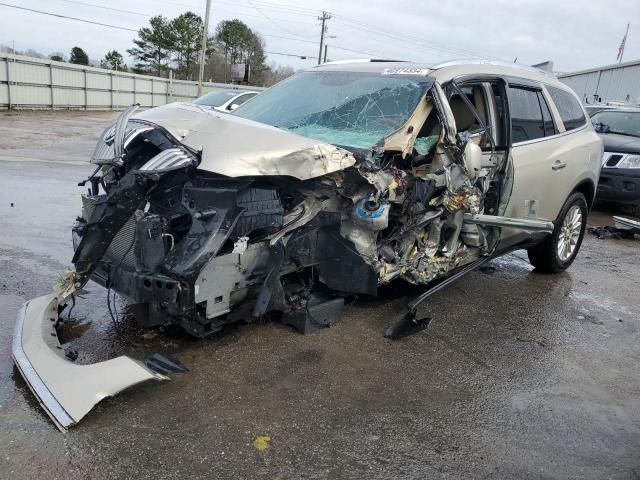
(497, 63)
(361, 60)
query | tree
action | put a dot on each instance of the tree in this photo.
(113, 61)
(277, 73)
(242, 45)
(187, 43)
(57, 56)
(32, 53)
(78, 56)
(153, 46)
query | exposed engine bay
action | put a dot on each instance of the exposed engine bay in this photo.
(294, 234)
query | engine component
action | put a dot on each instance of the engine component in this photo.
(371, 214)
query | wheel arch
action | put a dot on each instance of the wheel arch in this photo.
(588, 189)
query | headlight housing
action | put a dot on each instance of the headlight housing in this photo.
(169, 159)
(630, 161)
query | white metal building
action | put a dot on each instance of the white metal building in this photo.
(619, 82)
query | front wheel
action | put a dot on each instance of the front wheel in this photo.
(556, 252)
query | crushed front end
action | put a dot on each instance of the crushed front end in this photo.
(186, 246)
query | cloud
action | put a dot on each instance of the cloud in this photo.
(574, 34)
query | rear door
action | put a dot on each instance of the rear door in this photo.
(578, 152)
(537, 176)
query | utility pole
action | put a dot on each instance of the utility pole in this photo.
(203, 52)
(324, 60)
(325, 16)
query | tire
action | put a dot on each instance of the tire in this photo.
(555, 253)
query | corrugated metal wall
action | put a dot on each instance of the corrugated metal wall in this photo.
(613, 83)
(32, 83)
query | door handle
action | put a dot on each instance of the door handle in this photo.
(557, 165)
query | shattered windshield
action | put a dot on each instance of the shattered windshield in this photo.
(342, 108)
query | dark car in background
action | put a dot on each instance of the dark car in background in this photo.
(593, 109)
(620, 175)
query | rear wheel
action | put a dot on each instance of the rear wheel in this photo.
(556, 252)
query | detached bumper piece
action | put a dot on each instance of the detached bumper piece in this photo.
(65, 390)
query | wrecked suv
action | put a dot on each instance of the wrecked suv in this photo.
(334, 182)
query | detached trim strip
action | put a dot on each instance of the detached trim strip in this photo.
(53, 408)
(521, 223)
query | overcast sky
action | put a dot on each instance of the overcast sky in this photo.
(575, 34)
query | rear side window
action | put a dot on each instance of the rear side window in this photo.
(568, 107)
(526, 115)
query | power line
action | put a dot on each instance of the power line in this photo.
(68, 18)
(265, 5)
(359, 51)
(287, 38)
(345, 21)
(130, 12)
(279, 6)
(370, 28)
(271, 20)
(108, 8)
(315, 43)
(301, 57)
(406, 38)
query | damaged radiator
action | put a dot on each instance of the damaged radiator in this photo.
(121, 249)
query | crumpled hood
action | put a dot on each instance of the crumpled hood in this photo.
(620, 143)
(236, 147)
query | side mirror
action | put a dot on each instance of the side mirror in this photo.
(472, 160)
(233, 106)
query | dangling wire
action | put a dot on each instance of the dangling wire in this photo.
(113, 318)
(73, 304)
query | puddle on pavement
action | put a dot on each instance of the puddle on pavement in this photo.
(72, 328)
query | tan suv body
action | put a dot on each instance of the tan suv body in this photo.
(333, 182)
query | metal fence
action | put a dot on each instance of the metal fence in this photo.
(34, 83)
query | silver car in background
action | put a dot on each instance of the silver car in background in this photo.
(226, 100)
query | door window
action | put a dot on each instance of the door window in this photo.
(526, 115)
(568, 107)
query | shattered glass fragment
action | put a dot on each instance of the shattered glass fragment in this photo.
(424, 145)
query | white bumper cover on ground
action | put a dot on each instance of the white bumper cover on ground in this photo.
(66, 391)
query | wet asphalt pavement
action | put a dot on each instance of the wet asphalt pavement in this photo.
(520, 375)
